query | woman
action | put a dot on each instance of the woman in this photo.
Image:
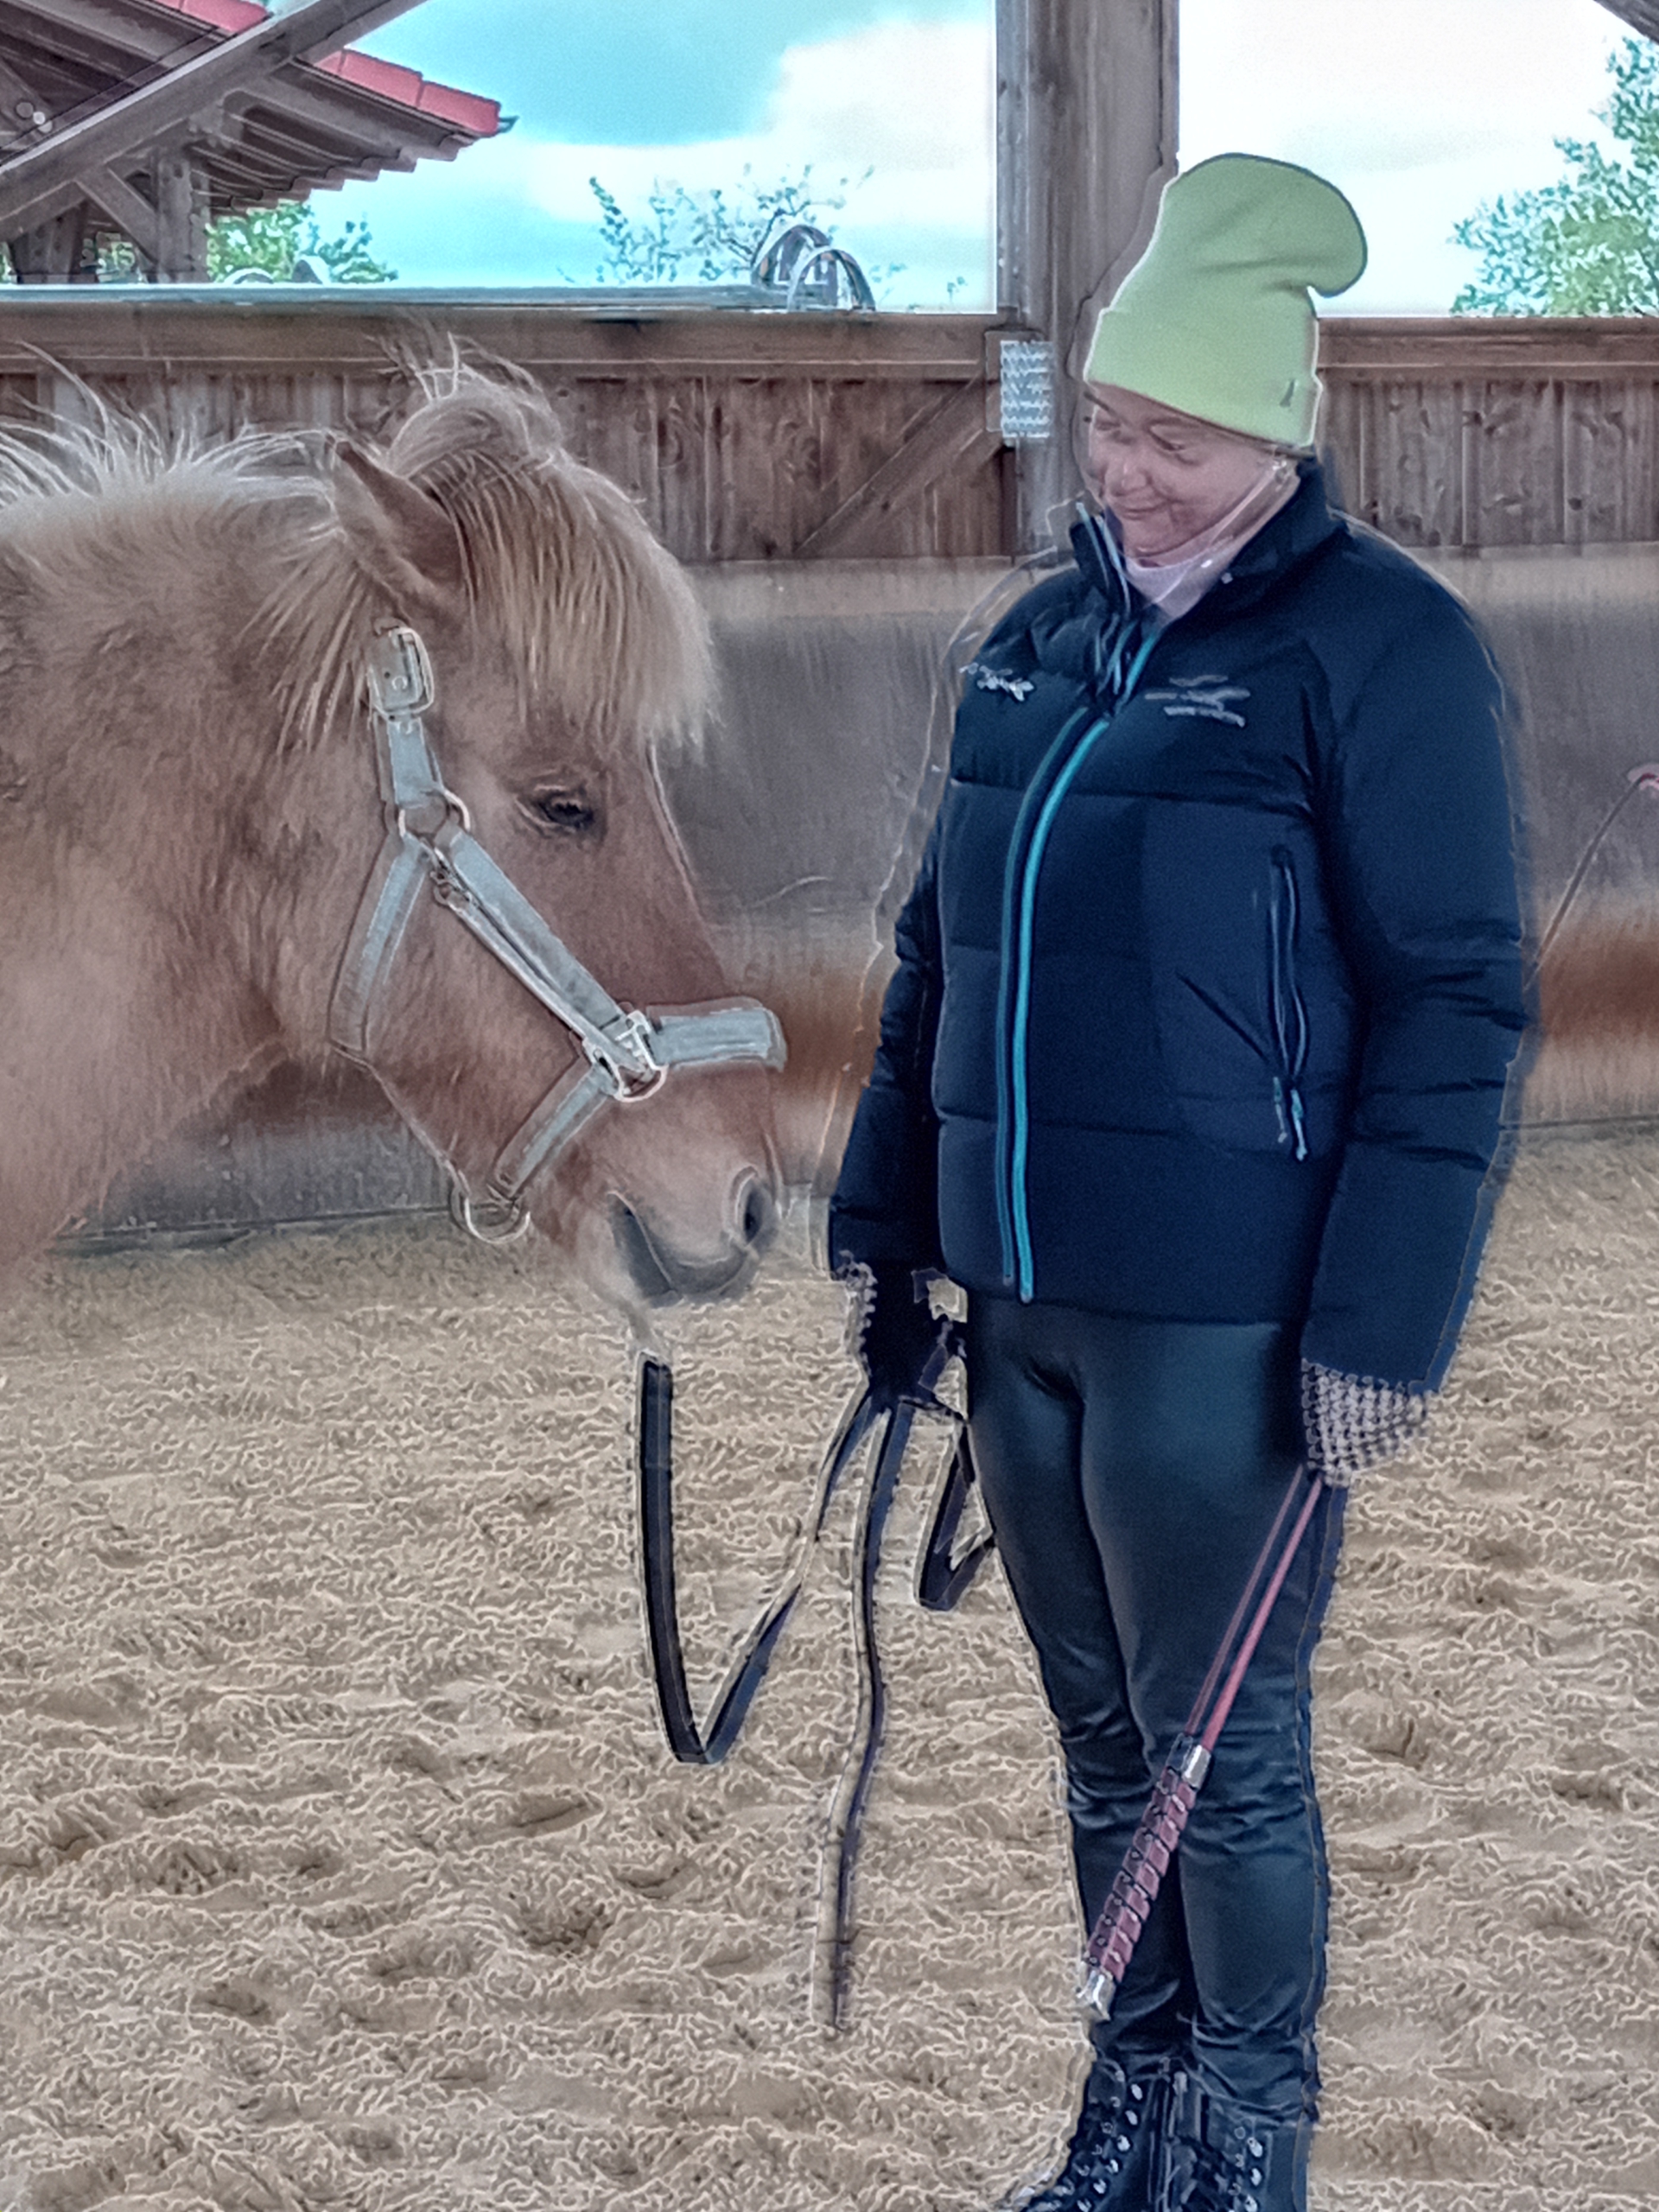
(1190, 1074)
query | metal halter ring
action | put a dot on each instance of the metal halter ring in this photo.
(490, 1219)
(457, 807)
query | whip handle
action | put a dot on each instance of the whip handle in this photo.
(1107, 1954)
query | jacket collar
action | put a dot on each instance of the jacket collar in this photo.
(1303, 524)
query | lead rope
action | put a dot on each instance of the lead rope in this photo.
(944, 1576)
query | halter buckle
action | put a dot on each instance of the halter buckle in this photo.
(431, 814)
(400, 674)
(629, 1058)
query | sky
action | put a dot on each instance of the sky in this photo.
(888, 104)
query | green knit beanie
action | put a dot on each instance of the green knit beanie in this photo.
(1215, 320)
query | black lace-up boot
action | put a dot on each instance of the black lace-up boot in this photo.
(1112, 2163)
(1217, 2157)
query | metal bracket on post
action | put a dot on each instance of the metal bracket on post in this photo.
(1025, 391)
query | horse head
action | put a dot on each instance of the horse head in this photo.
(567, 651)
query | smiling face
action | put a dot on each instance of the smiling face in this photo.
(1168, 478)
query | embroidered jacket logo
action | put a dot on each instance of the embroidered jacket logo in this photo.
(1204, 696)
(992, 679)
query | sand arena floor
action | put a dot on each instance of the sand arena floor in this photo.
(340, 1863)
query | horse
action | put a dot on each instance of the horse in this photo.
(191, 808)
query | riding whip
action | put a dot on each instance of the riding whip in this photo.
(1130, 1901)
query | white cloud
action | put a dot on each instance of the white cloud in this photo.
(1419, 109)
(912, 102)
(1424, 81)
(1418, 113)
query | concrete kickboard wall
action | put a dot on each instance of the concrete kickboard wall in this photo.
(813, 788)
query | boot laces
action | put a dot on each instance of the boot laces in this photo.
(1100, 2152)
(1230, 2176)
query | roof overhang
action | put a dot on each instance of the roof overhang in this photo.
(1641, 14)
(308, 123)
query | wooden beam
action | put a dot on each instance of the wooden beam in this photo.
(952, 435)
(23, 114)
(310, 31)
(350, 330)
(53, 204)
(127, 208)
(1086, 133)
(162, 38)
(322, 111)
(50, 253)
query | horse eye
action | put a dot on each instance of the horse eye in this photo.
(572, 813)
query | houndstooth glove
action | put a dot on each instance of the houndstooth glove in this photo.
(1352, 1422)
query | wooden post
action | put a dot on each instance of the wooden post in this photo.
(180, 220)
(1086, 122)
(51, 253)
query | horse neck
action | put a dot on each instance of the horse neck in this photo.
(141, 855)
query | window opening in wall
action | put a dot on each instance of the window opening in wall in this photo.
(662, 142)
(1424, 113)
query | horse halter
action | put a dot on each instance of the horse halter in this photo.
(624, 1056)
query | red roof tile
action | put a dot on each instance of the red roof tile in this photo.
(387, 80)
(223, 15)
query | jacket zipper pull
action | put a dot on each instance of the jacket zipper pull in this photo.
(1293, 1128)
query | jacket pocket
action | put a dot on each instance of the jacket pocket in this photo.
(1286, 1013)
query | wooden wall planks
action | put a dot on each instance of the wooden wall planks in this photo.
(742, 433)
(1533, 431)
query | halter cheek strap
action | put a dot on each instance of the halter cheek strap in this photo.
(624, 1056)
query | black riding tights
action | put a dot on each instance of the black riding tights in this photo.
(1132, 1470)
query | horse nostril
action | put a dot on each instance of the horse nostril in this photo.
(756, 1215)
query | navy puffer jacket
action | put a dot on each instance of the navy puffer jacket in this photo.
(1210, 980)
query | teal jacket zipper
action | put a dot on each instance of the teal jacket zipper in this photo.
(1014, 1145)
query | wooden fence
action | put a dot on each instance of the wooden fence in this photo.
(1533, 431)
(772, 436)
(745, 436)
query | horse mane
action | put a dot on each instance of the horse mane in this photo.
(560, 566)
(559, 563)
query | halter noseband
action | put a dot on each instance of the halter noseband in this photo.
(624, 1056)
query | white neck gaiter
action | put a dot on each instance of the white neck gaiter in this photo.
(1179, 581)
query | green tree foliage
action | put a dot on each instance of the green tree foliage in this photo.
(1589, 244)
(718, 233)
(272, 241)
(268, 242)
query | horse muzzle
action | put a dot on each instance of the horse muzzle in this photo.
(661, 1275)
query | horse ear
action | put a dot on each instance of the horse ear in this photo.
(400, 536)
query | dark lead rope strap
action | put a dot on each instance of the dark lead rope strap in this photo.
(942, 1581)
(852, 1794)
(690, 1745)
(943, 1578)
